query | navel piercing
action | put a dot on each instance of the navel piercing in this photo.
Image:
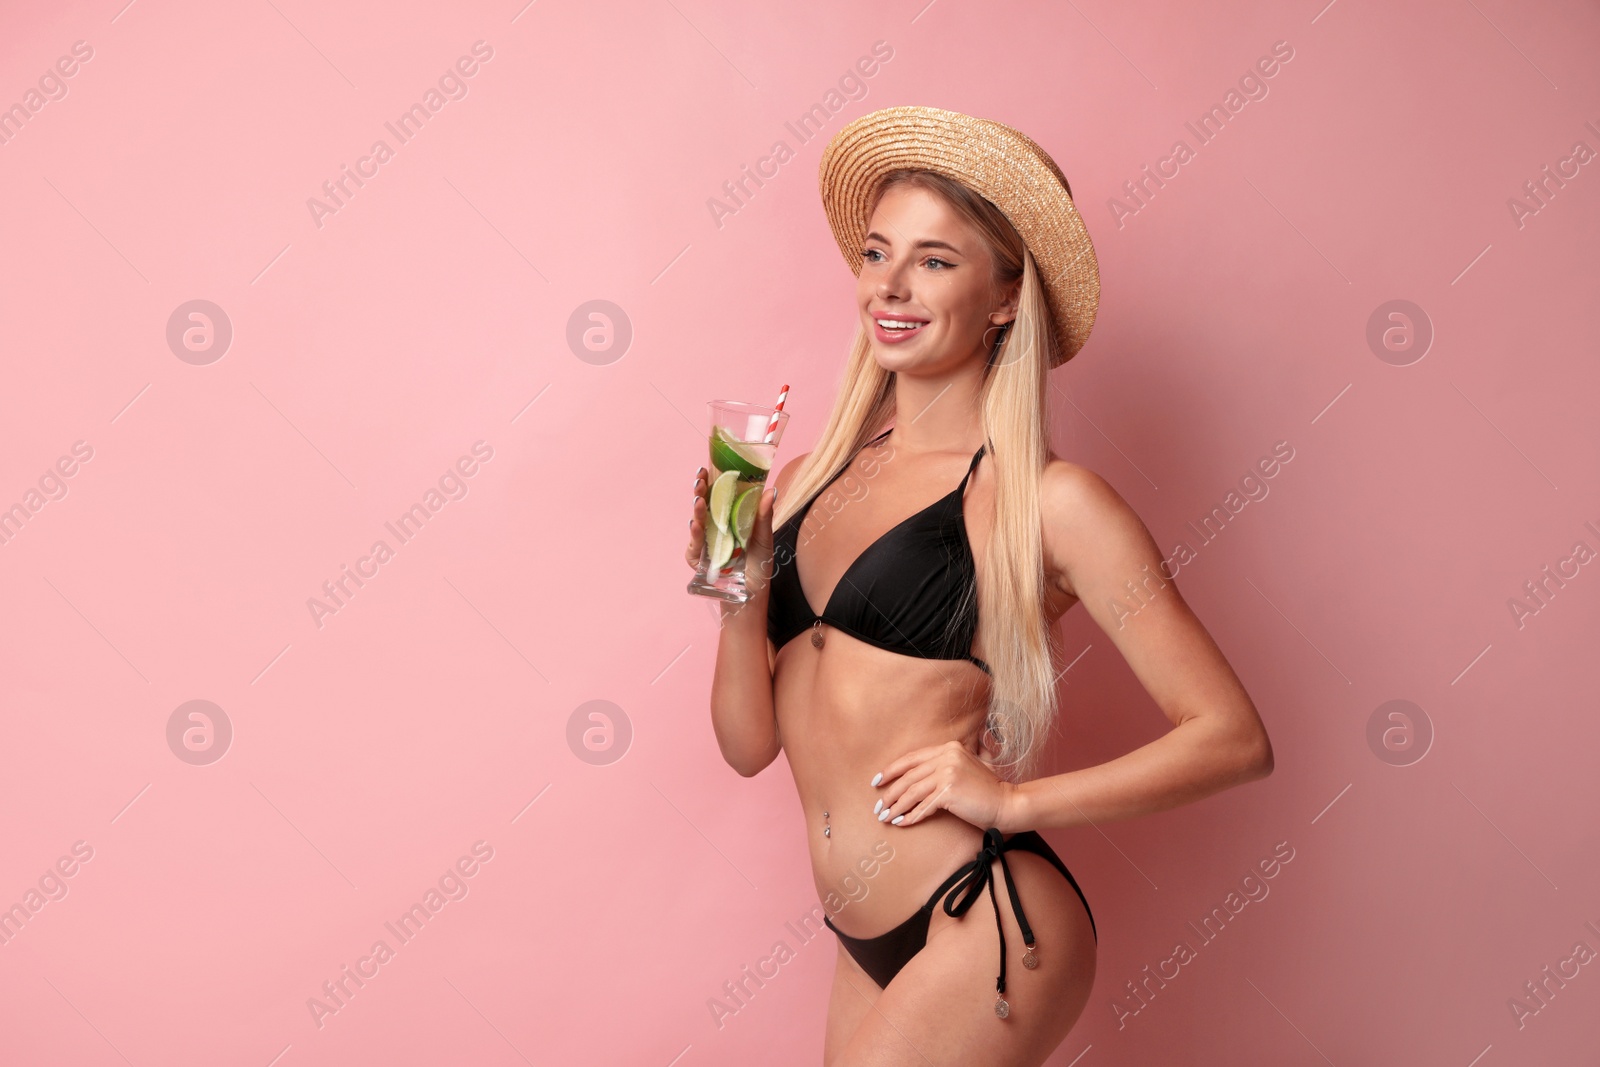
(827, 831)
(816, 634)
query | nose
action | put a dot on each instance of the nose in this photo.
(891, 278)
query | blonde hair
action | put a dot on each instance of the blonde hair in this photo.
(1021, 645)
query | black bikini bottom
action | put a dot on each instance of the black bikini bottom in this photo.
(883, 956)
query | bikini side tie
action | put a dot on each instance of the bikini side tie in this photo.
(969, 883)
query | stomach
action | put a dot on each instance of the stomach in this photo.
(845, 712)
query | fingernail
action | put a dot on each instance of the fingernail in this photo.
(897, 819)
(878, 806)
(884, 816)
(877, 778)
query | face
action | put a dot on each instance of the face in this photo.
(923, 262)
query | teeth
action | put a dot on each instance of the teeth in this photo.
(890, 324)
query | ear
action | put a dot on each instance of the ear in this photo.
(1007, 311)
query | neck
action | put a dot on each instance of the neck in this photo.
(940, 413)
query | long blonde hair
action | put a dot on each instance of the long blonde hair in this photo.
(1021, 645)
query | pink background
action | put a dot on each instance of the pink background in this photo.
(431, 311)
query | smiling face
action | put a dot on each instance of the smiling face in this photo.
(923, 262)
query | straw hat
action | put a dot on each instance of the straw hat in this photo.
(1000, 163)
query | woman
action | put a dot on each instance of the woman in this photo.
(914, 714)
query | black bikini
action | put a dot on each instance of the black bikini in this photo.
(883, 956)
(899, 594)
(912, 592)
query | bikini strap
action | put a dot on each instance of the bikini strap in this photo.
(800, 514)
(974, 464)
(963, 888)
(852, 458)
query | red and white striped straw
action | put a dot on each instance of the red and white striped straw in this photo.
(772, 423)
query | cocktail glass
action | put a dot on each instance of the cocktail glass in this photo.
(744, 438)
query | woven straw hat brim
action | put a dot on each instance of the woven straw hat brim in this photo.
(1004, 165)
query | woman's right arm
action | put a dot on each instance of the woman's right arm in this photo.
(742, 713)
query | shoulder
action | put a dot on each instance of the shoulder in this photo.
(787, 472)
(1070, 492)
(1086, 521)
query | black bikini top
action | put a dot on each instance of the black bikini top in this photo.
(900, 594)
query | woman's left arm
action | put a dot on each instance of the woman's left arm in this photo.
(1097, 549)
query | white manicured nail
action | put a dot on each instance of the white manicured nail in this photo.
(878, 806)
(898, 819)
(883, 816)
(877, 778)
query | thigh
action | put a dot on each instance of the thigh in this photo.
(852, 1000)
(939, 1009)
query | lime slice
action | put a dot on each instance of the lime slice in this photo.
(721, 550)
(722, 499)
(751, 459)
(743, 518)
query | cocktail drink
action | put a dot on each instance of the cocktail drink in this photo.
(744, 439)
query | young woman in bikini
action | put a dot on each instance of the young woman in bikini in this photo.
(914, 710)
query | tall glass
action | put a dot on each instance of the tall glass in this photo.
(741, 456)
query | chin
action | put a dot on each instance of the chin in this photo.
(896, 357)
(890, 360)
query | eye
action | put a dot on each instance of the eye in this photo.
(936, 259)
(868, 252)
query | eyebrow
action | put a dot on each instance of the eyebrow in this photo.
(919, 244)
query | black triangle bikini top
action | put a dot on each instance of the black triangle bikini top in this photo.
(913, 591)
